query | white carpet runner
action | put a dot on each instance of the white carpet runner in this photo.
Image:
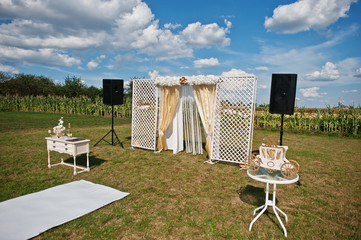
(27, 216)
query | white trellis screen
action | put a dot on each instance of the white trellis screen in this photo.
(233, 121)
(144, 114)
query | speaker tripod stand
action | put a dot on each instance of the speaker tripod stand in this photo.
(281, 132)
(112, 132)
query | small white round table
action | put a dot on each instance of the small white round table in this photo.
(274, 178)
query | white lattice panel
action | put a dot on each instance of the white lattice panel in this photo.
(144, 114)
(233, 122)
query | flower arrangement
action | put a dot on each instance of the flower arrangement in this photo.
(59, 129)
(167, 81)
(190, 80)
(202, 80)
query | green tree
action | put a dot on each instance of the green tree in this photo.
(26, 85)
(4, 77)
(33, 85)
(93, 92)
(128, 91)
(73, 87)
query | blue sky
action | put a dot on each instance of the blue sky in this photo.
(94, 39)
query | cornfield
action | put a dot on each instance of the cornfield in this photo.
(343, 121)
(54, 104)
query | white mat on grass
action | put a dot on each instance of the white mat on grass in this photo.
(27, 216)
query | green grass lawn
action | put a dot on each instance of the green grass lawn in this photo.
(180, 197)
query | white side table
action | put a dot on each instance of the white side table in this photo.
(270, 178)
(72, 146)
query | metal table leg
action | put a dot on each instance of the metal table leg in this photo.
(275, 209)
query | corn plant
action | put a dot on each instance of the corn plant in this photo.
(329, 120)
(81, 105)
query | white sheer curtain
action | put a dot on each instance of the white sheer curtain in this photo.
(205, 99)
(191, 122)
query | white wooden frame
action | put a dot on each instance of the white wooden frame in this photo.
(233, 121)
(144, 114)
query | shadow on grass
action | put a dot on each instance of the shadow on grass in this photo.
(252, 195)
(81, 160)
(256, 196)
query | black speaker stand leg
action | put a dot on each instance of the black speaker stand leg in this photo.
(113, 133)
(116, 137)
(281, 133)
(104, 139)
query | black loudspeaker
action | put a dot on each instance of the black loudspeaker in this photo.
(283, 93)
(113, 91)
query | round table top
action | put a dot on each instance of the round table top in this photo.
(262, 175)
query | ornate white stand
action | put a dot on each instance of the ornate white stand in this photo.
(263, 176)
(72, 146)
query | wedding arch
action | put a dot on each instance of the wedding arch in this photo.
(168, 111)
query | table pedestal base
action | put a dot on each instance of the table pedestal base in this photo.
(271, 203)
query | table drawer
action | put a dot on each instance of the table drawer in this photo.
(60, 147)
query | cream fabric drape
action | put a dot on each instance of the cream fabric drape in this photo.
(205, 99)
(169, 97)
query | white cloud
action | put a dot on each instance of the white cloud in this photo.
(111, 26)
(288, 60)
(262, 86)
(234, 73)
(358, 73)
(122, 59)
(310, 92)
(162, 44)
(172, 26)
(45, 56)
(92, 64)
(206, 35)
(350, 91)
(262, 68)
(154, 74)
(304, 15)
(303, 60)
(4, 68)
(110, 66)
(329, 72)
(32, 34)
(203, 63)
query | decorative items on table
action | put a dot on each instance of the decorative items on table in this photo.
(60, 129)
(69, 132)
(273, 158)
